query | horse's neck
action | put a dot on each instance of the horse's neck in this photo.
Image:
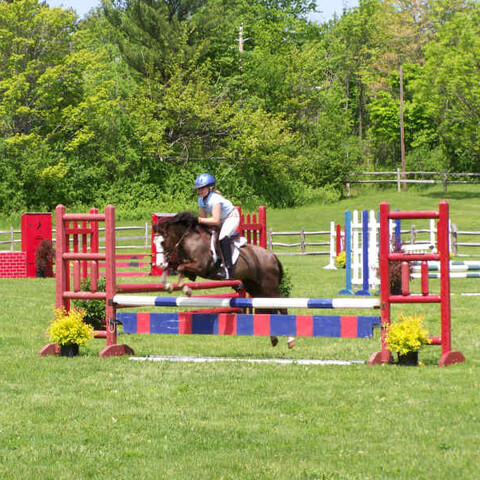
(195, 240)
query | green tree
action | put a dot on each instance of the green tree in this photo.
(449, 88)
(36, 82)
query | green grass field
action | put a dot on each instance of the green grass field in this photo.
(91, 418)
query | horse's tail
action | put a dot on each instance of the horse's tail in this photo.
(280, 270)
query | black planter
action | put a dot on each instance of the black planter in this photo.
(409, 359)
(69, 350)
(40, 273)
(395, 288)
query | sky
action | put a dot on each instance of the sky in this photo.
(325, 8)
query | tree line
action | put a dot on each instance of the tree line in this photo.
(131, 103)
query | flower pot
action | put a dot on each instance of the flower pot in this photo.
(70, 350)
(40, 273)
(409, 359)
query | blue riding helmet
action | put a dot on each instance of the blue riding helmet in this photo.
(204, 180)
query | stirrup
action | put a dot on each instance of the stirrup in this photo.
(224, 273)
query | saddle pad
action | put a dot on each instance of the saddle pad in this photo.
(237, 244)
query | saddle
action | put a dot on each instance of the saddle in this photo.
(237, 243)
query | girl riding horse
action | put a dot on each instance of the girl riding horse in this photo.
(222, 214)
(185, 246)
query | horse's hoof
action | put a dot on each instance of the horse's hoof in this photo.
(274, 341)
(291, 343)
(239, 287)
(169, 287)
(187, 291)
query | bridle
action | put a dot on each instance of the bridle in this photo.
(170, 252)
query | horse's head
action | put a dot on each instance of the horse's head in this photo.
(159, 242)
(169, 235)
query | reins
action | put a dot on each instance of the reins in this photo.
(175, 248)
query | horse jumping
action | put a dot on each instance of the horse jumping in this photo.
(187, 249)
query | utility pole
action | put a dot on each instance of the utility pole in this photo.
(402, 132)
(240, 46)
(240, 38)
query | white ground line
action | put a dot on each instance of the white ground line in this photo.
(298, 361)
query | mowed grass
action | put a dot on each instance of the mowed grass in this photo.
(91, 418)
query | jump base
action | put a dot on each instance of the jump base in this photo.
(116, 351)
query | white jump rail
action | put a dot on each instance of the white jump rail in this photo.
(260, 303)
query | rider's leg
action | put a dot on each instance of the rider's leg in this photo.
(226, 247)
(230, 224)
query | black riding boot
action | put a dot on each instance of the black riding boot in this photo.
(226, 247)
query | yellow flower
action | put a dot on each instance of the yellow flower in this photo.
(407, 334)
(68, 328)
(340, 260)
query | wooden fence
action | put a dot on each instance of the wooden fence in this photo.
(396, 177)
(280, 247)
(469, 249)
(303, 242)
(11, 239)
(303, 246)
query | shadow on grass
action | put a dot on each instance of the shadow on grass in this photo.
(457, 195)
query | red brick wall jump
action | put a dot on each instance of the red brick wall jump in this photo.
(13, 265)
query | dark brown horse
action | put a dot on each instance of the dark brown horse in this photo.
(187, 249)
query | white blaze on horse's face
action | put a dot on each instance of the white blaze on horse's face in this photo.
(160, 260)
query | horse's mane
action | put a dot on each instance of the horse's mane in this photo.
(186, 219)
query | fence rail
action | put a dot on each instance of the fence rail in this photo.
(11, 238)
(443, 178)
(302, 243)
(460, 244)
(11, 241)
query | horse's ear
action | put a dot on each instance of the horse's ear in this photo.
(187, 218)
(159, 228)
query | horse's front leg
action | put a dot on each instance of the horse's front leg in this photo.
(185, 288)
(197, 268)
(170, 287)
(192, 268)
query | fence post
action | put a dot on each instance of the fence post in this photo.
(444, 177)
(12, 240)
(302, 240)
(398, 179)
(413, 234)
(454, 238)
(433, 231)
(270, 239)
(334, 246)
(262, 219)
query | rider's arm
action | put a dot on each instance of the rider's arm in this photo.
(214, 220)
